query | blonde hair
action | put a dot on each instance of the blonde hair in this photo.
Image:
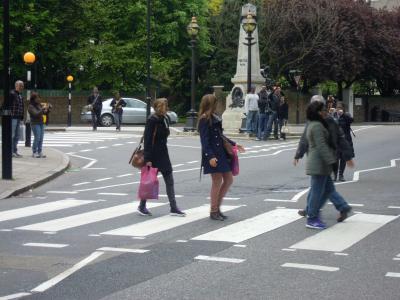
(158, 103)
(208, 105)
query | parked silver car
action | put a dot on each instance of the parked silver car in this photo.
(134, 113)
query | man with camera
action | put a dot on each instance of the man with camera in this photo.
(95, 106)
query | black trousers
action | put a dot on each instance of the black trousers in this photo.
(96, 118)
(169, 184)
(339, 167)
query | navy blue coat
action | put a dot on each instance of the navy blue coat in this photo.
(157, 152)
(212, 146)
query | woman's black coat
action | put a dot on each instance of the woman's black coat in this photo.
(155, 142)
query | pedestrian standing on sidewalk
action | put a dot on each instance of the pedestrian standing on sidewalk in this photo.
(17, 115)
(251, 110)
(96, 105)
(214, 159)
(339, 143)
(156, 154)
(117, 105)
(262, 113)
(274, 101)
(36, 112)
(344, 119)
(283, 115)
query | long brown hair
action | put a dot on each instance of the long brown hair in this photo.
(208, 105)
(158, 103)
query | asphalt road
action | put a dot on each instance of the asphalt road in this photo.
(79, 236)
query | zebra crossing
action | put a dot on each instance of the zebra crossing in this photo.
(336, 238)
(70, 139)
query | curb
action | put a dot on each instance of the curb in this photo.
(56, 172)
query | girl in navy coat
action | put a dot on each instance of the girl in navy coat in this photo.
(214, 158)
(156, 153)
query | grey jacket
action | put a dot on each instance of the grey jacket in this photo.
(337, 138)
(320, 155)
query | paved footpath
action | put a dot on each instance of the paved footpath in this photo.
(29, 172)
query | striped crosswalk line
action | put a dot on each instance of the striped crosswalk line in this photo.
(252, 227)
(343, 235)
(166, 222)
(41, 208)
(86, 218)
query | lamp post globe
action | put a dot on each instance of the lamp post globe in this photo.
(29, 59)
(193, 30)
(70, 78)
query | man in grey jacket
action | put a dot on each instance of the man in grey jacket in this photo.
(338, 142)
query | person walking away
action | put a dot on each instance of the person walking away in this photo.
(96, 105)
(283, 115)
(156, 154)
(274, 100)
(344, 119)
(117, 105)
(17, 115)
(214, 160)
(262, 113)
(251, 110)
(36, 112)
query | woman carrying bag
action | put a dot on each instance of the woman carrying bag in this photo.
(215, 160)
(117, 105)
(156, 154)
(36, 112)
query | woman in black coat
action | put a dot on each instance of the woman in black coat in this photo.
(156, 154)
(214, 158)
(344, 119)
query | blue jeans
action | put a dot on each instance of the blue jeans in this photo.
(273, 118)
(321, 189)
(38, 134)
(262, 122)
(15, 124)
(251, 121)
(118, 120)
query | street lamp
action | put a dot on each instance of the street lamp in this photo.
(148, 59)
(249, 25)
(193, 30)
(296, 76)
(29, 59)
(70, 78)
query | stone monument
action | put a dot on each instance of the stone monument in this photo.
(234, 113)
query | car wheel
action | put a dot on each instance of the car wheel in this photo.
(107, 120)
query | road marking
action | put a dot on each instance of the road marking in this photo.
(125, 175)
(52, 282)
(351, 204)
(249, 228)
(49, 232)
(166, 196)
(343, 235)
(61, 192)
(113, 194)
(396, 258)
(227, 198)
(116, 145)
(103, 179)
(397, 207)
(240, 246)
(192, 162)
(310, 267)
(91, 163)
(15, 296)
(81, 183)
(165, 222)
(41, 208)
(178, 165)
(220, 259)
(86, 150)
(183, 146)
(86, 218)
(181, 241)
(45, 245)
(392, 274)
(126, 250)
(102, 147)
(288, 250)
(278, 200)
(340, 254)
(94, 235)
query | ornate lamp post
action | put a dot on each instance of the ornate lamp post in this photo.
(70, 78)
(193, 30)
(296, 76)
(249, 25)
(29, 59)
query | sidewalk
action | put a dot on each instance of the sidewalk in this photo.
(29, 172)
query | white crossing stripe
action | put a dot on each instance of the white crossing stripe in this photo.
(45, 245)
(310, 267)
(127, 250)
(15, 296)
(249, 228)
(41, 208)
(86, 218)
(220, 259)
(392, 274)
(164, 223)
(343, 235)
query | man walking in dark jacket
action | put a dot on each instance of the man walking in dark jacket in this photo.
(262, 113)
(17, 115)
(337, 142)
(274, 101)
(96, 106)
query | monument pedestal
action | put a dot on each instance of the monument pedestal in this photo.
(232, 120)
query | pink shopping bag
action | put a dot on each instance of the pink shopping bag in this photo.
(235, 161)
(148, 188)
